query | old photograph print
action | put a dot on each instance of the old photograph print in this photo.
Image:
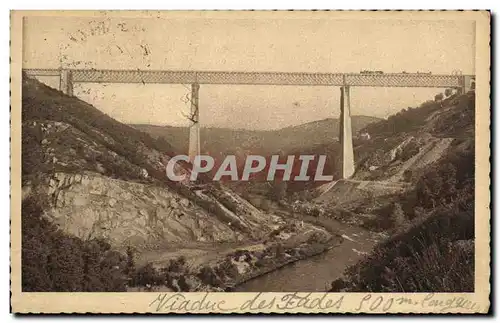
(168, 153)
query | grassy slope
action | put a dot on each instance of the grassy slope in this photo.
(42, 103)
(102, 134)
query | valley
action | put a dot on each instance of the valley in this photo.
(95, 190)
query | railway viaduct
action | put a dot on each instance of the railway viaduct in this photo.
(196, 78)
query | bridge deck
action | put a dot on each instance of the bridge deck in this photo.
(256, 78)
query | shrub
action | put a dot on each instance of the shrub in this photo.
(398, 217)
(130, 267)
(209, 277)
(177, 265)
(280, 250)
(183, 285)
(228, 268)
(438, 97)
(148, 275)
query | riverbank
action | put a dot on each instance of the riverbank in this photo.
(270, 264)
(225, 267)
(315, 273)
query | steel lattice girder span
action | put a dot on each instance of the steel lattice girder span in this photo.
(258, 78)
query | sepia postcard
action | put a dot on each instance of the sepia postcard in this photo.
(250, 162)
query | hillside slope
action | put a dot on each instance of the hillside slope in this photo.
(414, 138)
(431, 222)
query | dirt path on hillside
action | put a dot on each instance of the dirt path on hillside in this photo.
(427, 155)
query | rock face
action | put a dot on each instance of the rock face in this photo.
(90, 205)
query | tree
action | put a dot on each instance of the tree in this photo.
(438, 97)
(91, 267)
(130, 266)
(147, 276)
(278, 190)
(398, 217)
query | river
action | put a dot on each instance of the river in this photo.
(315, 274)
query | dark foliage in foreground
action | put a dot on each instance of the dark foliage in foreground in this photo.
(53, 261)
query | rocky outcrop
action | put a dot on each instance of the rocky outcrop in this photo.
(90, 205)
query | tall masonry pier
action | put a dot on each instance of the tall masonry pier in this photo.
(194, 127)
(66, 82)
(345, 134)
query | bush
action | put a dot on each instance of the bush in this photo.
(409, 151)
(183, 285)
(398, 217)
(177, 265)
(130, 267)
(438, 97)
(228, 269)
(280, 251)
(148, 275)
(208, 276)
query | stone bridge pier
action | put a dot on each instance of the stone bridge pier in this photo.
(345, 134)
(66, 82)
(194, 126)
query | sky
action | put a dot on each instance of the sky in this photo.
(241, 44)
